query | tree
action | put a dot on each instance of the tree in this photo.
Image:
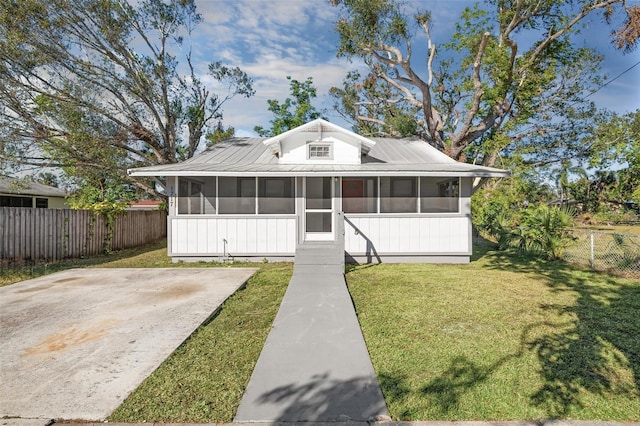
(370, 105)
(97, 86)
(615, 143)
(563, 183)
(219, 134)
(49, 179)
(493, 92)
(302, 94)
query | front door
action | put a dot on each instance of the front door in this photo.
(319, 208)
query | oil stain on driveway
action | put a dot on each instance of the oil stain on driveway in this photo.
(76, 343)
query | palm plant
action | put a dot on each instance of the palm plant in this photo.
(562, 180)
(546, 231)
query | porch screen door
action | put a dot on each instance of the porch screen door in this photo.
(319, 207)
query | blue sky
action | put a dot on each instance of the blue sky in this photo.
(271, 39)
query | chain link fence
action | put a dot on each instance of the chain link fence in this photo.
(605, 251)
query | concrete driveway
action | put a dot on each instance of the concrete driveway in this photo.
(74, 344)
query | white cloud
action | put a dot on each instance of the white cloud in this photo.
(270, 40)
(270, 83)
(253, 26)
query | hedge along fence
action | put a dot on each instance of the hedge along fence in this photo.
(28, 234)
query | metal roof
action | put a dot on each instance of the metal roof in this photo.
(250, 157)
(20, 187)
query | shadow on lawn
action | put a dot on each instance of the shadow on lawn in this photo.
(445, 391)
(593, 346)
(597, 342)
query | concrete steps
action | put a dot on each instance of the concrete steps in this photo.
(319, 257)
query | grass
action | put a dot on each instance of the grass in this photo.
(204, 379)
(149, 256)
(153, 255)
(502, 338)
(614, 229)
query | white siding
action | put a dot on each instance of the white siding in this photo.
(203, 236)
(294, 149)
(408, 235)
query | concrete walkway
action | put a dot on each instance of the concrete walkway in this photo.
(314, 366)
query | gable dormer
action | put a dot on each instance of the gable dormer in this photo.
(319, 142)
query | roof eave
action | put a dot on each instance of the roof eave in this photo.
(320, 173)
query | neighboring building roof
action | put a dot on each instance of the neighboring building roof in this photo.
(379, 157)
(19, 187)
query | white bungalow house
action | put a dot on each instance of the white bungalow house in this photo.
(391, 200)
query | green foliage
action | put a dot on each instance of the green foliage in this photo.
(615, 141)
(294, 111)
(108, 200)
(365, 104)
(507, 196)
(105, 199)
(515, 214)
(544, 230)
(563, 182)
(611, 149)
(49, 179)
(219, 134)
(539, 231)
(375, 20)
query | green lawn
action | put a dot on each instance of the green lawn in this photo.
(149, 256)
(614, 229)
(501, 338)
(154, 255)
(204, 379)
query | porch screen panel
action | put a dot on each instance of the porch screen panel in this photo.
(209, 193)
(183, 196)
(318, 193)
(438, 195)
(360, 195)
(318, 222)
(276, 196)
(398, 195)
(197, 196)
(236, 195)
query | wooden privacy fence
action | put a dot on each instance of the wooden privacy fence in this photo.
(28, 234)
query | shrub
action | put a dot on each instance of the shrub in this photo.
(546, 230)
(541, 231)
